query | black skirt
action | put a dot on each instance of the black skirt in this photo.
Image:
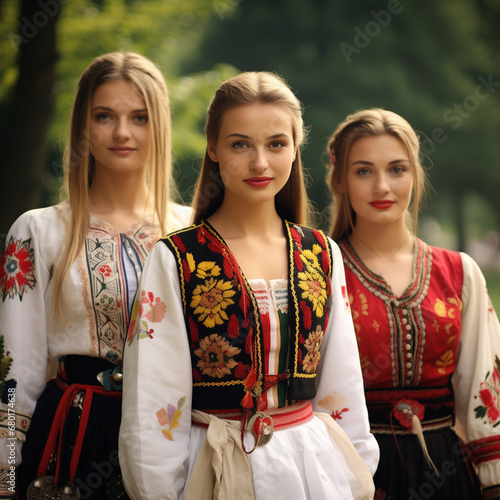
(403, 472)
(98, 473)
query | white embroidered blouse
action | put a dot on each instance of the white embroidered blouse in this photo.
(96, 306)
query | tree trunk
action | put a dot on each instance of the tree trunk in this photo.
(24, 156)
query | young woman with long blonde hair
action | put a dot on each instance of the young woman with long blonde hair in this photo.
(68, 279)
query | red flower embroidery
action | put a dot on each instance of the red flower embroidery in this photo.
(105, 271)
(179, 244)
(187, 271)
(298, 260)
(490, 396)
(201, 236)
(337, 415)
(234, 328)
(296, 238)
(17, 269)
(307, 315)
(320, 238)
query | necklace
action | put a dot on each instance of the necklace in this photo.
(385, 260)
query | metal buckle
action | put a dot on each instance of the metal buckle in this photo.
(261, 427)
(44, 488)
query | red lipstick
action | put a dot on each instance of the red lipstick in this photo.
(122, 150)
(382, 204)
(258, 181)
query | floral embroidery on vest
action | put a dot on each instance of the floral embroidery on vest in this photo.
(17, 269)
(223, 321)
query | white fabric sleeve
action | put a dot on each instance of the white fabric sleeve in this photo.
(340, 389)
(157, 386)
(476, 375)
(179, 216)
(24, 277)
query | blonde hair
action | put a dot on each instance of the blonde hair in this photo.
(365, 123)
(291, 202)
(79, 165)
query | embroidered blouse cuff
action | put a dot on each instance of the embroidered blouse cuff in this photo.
(14, 424)
(491, 493)
(7, 481)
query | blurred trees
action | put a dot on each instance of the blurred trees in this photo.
(435, 63)
(32, 146)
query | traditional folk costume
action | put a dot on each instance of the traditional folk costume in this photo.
(77, 414)
(210, 353)
(431, 369)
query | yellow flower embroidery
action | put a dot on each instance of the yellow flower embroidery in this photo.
(444, 361)
(207, 270)
(364, 304)
(317, 249)
(365, 361)
(190, 261)
(440, 308)
(309, 258)
(443, 311)
(216, 356)
(210, 300)
(312, 344)
(314, 289)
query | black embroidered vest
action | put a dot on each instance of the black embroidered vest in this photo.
(222, 317)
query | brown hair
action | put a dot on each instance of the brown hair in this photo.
(79, 165)
(365, 123)
(291, 202)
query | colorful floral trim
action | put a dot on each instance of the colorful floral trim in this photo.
(17, 269)
(170, 417)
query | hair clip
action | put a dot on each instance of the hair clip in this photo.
(332, 158)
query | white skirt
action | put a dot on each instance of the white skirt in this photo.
(311, 461)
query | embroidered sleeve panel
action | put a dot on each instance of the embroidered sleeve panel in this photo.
(7, 481)
(394, 333)
(14, 424)
(492, 492)
(486, 449)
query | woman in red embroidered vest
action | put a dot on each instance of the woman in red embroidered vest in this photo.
(68, 278)
(242, 330)
(428, 337)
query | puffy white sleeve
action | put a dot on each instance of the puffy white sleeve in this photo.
(476, 378)
(157, 386)
(340, 389)
(24, 277)
(179, 216)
